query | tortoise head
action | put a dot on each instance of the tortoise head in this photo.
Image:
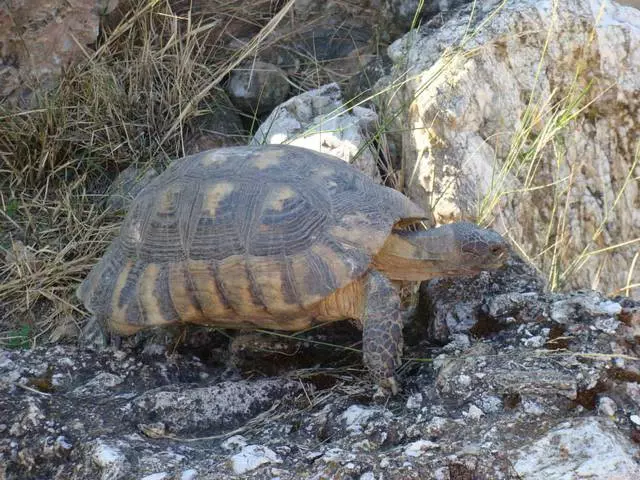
(460, 248)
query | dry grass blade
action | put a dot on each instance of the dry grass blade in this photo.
(236, 59)
(57, 158)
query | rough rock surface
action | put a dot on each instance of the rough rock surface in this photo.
(218, 124)
(257, 87)
(38, 38)
(542, 386)
(467, 96)
(319, 120)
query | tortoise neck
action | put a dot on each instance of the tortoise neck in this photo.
(402, 258)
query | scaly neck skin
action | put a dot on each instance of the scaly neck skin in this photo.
(404, 256)
(460, 248)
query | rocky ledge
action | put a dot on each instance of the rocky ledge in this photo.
(501, 380)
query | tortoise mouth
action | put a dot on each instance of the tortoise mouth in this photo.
(474, 270)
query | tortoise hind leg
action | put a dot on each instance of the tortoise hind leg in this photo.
(382, 330)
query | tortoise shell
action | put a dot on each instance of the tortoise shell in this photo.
(242, 232)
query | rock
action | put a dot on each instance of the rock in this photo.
(318, 120)
(127, 185)
(472, 304)
(190, 410)
(468, 105)
(101, 383)
(218, 124)
(607, 406)
(414, 402)
(191, 474)
(252, 457)
(257, 87)
(110, 460)
(584, 448)
(40, 38)
(408, 13)
(357, 418)
(119, 414)
(416, 449)
(156, 476)
(474, 413)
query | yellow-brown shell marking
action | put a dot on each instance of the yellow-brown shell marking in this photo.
(244, 236)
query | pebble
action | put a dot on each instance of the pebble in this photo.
(252, 457)
(416, 449)
(607, 406)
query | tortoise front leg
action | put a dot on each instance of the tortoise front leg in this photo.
(382, 330)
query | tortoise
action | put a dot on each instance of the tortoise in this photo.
(276, 237)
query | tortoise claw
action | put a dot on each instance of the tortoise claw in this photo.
(386, 387)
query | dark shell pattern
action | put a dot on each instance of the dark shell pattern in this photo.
(226, 234)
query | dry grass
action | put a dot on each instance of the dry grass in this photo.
(134, 101)
(544, 126)
(523, 173)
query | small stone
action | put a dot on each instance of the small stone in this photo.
(368, 476)
(607, 406)
(63, 444)
(190, 474)
(156, 476)
(491, 404)
(532, 408)
(414, 401)
(610, 308)
(258, 87)
(252, 457)
(234, 443)
(109, 458)
(459, 341)
(632, 389)
(100, 383)
(312, 456)
(355, 417)
(474, 413)
(635, 419)
(607, 325)
(153, 430)
(416, 449)
(537, 341)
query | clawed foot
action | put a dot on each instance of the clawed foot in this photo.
(386, 388)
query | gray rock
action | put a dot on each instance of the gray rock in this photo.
(252, 457)
(467, 108)
(41, 38)
(110, 460)
(217, 124)
(318, 120)
(258, 87)
(584, 448)
(607, 406)
(416, 449)
(224, 405)
(404, 14)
